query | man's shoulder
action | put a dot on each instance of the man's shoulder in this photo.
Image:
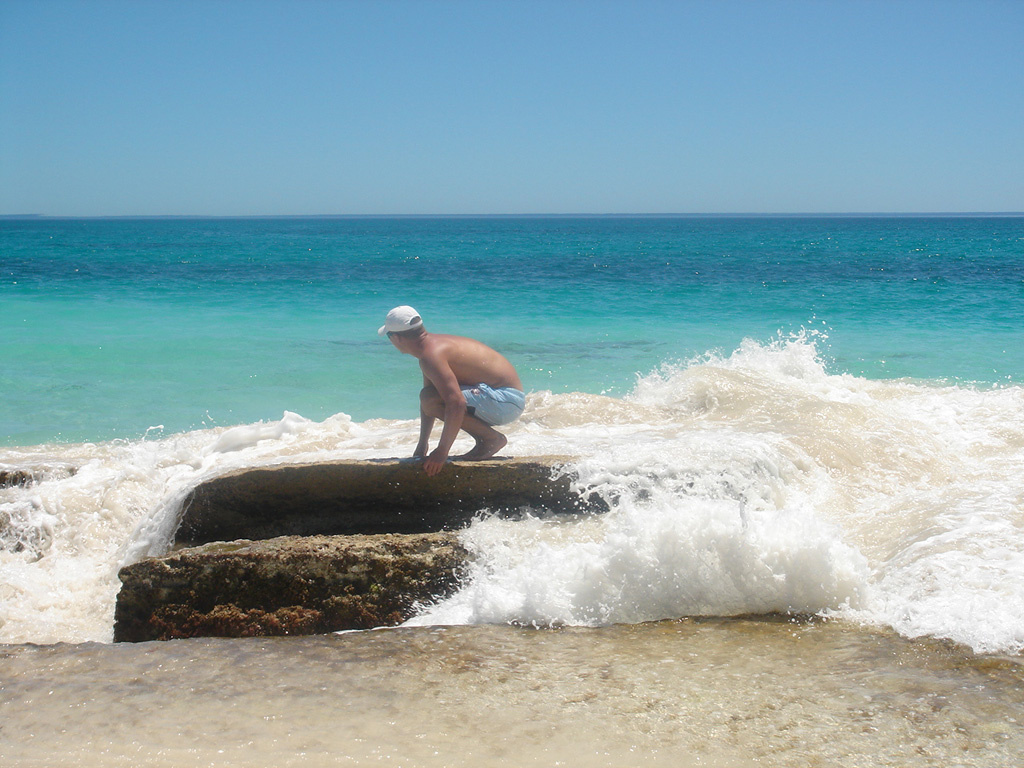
(435, 350)
(435, 343)
(444, 344)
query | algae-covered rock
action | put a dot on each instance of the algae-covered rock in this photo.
(284, 586)
(343, 545)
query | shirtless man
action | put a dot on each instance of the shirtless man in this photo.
(466, 384)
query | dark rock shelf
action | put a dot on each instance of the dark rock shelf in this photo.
(314, 548)
(293, 585)
(361, 497)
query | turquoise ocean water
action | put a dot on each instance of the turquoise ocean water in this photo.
(809, 432)
(110, 327)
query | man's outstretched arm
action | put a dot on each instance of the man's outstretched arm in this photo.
(426, 425)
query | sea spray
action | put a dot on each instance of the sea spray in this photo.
(759, 482)
(69, 532)
(745, 483)
(704, 520)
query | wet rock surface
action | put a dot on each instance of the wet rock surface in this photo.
(290, 585)
(14, 476)
(382, 496)
(315, 548)
(11, 477)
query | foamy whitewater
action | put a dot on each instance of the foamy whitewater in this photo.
(748, 483)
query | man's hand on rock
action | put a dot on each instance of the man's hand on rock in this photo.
(435, 462)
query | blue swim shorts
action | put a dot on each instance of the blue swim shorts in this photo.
(494, 406)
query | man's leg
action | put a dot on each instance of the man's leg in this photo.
(488, 440)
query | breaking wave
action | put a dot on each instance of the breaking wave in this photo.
(753, 482)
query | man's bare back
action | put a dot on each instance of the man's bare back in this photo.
(471, 361)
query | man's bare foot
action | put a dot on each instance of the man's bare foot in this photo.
(485, 448)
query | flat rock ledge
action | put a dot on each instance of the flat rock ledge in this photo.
(292, 585)
(374, 496)
(317, 548)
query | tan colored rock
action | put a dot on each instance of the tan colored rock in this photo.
(376, 496)
(284, 586)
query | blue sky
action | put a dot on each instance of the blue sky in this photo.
(434, 107)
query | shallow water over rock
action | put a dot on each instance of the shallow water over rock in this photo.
(698, 692)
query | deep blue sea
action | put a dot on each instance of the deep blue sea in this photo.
(110, 327)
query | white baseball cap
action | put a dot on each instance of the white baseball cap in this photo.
(401, 319)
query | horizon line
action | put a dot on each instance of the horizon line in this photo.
(806, 214)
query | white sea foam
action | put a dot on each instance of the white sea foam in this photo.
(759, 482)
(748, 483)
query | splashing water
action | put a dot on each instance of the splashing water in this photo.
(750, 483)
(760, 483)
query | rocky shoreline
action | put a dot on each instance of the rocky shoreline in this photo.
(316, 548)
(290, 585)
